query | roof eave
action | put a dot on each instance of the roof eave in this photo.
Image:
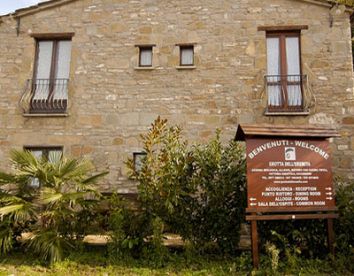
(267, 130)
(53, 3)
(36, 8)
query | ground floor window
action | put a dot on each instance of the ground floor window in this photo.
(47, 152)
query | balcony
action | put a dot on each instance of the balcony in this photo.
(286, 93)
(45, 96)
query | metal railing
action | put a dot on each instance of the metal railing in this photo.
(285, 92)
(45, 96)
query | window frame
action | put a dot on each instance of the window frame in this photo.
(45, 149)
(55, 54)
(282, 35)
(144, 48)
(45, 154)
(186, 47)
(137, 155)
(55, 38)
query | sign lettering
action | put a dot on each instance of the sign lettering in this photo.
(289, 173)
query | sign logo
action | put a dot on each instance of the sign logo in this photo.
(290, 154)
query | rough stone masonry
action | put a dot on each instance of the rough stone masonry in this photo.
(112, 101)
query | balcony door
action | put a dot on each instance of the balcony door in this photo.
(51, 76)
(284, 82)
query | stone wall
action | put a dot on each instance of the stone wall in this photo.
(112, 103)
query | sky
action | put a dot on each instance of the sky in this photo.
(7, 6)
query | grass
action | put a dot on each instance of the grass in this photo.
(95, 261)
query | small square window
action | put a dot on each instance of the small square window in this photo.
(186, 55)
(138, 160)
(145, 56)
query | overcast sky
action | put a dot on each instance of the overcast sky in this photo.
(7, 6)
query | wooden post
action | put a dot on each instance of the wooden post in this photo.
(330, 235)
(254, 235)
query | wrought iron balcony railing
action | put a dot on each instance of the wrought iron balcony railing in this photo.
(285, 93)
(43, 96)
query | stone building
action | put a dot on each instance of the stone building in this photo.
(89, 76)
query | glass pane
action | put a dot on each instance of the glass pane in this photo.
(34, 182)
(293, 55)
(44, 61)
(294, 95)
(273, 56)
(54, 156)
(274, 95)
(37, 153)
(293, 66)
(62, 70)
(64, 56)
(145, 57)
(45, 49)
(138, 160)
(187, 56)
(273, 72)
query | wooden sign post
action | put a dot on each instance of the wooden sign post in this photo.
(289, 176)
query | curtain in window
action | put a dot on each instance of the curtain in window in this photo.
(187, 56)
(273, 72)
(62, 70)
(44, 61)
(34, 182)
(145, 57)
(54, 155)
(293, 67)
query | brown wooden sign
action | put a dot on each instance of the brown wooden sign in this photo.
(289, 173)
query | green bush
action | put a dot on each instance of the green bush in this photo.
(344, 225)
(127, 230)
(309, 237)
(57, 214)
(219, 175)
(306, 236)
(197, 191)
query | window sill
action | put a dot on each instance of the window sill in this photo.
(186, 67)
(286, 113)
(45, 115)
(141, 68)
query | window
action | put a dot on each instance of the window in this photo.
(138, 158)
(284, 79)
(48, 153)
(186, 55)
(51, 75)
(145, 56)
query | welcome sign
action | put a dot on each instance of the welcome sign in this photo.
(289, 173)
(289, 176)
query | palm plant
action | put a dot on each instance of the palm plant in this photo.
(56, 214)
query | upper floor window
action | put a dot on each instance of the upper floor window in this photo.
(48, 90)
(186, 55)
(145, 56)
(284, 80)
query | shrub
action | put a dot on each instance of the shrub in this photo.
(344, 225)
(197, 191)
(309, 237)
(306, 236)
(56, 215)
(219, 175)
(127, 229)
